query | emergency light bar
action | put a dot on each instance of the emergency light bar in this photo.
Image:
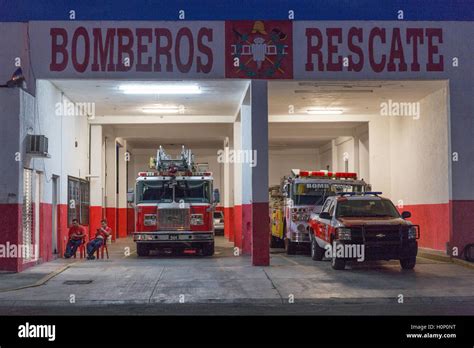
(324, 174)
(147, 174)
(359, 193)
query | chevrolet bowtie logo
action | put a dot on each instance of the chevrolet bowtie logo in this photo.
(380, 235)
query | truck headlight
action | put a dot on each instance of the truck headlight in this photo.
(197, 219)
(149, 220)
(344, 233)
(412, 233)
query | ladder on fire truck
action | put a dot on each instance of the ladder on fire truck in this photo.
(182, 163)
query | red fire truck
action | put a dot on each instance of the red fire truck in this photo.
(174, 206)
(304, 193)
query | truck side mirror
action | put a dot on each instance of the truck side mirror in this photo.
(406, 214)
(130, 196)
(216, 196)
(325, 215)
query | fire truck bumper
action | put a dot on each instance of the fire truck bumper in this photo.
(299, 237)
(173, 237)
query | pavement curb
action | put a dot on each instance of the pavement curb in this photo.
(42, 280)
(438, 256)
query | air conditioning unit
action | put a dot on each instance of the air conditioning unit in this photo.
(37, 145)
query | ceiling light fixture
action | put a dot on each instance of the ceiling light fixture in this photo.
(160, 89)
(323, 111)
(163, 109)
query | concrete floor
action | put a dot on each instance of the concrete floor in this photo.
(227, 284)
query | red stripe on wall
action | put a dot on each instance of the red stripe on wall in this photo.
(247, 228)
(95, 216)
(237, 236)
(10, 221)
(462, 220)
(434, 224)
(110, 215)
(130, 220)
(228, 222)
(122, 222)
(46, 232)
(260, 234)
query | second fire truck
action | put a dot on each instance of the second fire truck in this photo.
(174, 206)
(301, 194)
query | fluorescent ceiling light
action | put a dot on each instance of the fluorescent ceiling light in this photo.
(172, 109)
(323, 111)
(160, 89)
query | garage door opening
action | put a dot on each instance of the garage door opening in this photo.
(393, 134)
(109, 130)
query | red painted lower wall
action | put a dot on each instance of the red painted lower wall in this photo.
(434, 224)
(111, 216)
(247, 228)
(122, 222)
(130, 220)
(229, 222)
(462, 220)
(237, 236)
(46, 232)
(260, 235)
(10, 220)
(95, 216)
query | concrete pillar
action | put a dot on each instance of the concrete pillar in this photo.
(247, 150)
(334, 156)
(110, 182)
(122, 191)
(227, 192)
(96, 212)
(260, 243)
(236, 233)
(251, 175)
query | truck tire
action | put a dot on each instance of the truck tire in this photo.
(338, 263)
(290, 247)
(317, 253)
(143, 249)
(408, 263)
(208, 249)
(276, 242)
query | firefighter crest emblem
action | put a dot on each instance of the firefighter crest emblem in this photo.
(259, 49)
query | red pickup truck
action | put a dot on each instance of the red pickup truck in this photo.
(363, 226)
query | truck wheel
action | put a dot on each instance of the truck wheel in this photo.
(338, 263)
(408, 263)
(143, 249)
(208, 249)
(275, 242)
(317, 253)
(290, 247)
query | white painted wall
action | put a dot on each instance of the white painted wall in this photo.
(284, 159)
(419, 150)
(39, 117)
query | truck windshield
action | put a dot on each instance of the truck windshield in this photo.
(193, 191)
(154, 192)
(309, 193)
(366, 208)
(189, 191)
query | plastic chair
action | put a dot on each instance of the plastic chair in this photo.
(81, 248)
(100, 251)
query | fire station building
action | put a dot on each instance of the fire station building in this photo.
(388, 96)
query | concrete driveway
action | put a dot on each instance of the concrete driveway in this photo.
(228, 284)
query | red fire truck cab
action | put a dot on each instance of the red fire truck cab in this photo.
(174, 206)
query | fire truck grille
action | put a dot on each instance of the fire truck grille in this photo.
(173, 219)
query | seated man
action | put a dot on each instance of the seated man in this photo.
(100, 239)
(76, 238)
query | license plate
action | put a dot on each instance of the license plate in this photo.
(174, 237)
